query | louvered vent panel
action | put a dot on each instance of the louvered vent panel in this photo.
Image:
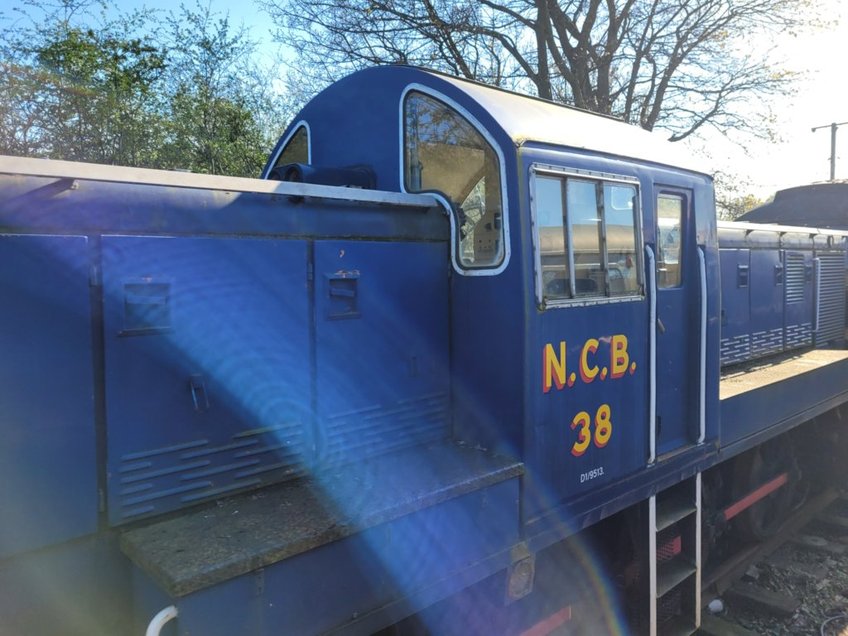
(764, 343)
(794, 278)
(736, 349)
(161, 479)
(799, 335)
(381, 429)
(832, 300)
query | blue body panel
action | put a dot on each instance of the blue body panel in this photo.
(382, 360)
(766, 302)
(48, 466)
(207, 351)
(735, 305)
(551, 438)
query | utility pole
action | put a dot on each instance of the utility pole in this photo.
(833, 128)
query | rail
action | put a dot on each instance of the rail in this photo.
(702, 398)
(651, 275)
(154, 628)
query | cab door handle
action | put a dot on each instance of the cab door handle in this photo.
(199, 396)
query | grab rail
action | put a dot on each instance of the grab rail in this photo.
(651, 274)
(154, 628)
(702, 398)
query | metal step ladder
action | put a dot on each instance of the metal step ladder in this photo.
(674, 562)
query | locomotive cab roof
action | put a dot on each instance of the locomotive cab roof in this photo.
(359, 120)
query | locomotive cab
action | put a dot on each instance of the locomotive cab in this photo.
(583, 269)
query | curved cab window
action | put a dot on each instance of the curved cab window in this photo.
(296, 150)
(443, 151)
(587, 232)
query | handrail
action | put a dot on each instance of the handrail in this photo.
(702, 399)
(651, 275)
(154, 628)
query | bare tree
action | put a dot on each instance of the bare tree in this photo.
(678, 65)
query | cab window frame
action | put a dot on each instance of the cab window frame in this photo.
(570, 296)
(452, 207)
(671, 278)
(301, 126)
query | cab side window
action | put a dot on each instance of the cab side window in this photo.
(669, 222)
(443, 151)
(296, 149)
(587, 235)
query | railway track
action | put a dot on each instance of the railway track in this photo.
(794, 583)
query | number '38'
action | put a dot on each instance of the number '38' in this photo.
(583, 422)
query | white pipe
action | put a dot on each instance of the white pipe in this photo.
(158, 622)
(652, 344)
(702, 267)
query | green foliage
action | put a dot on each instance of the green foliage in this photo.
(82, 93)
(78, 85)
(731, 208)
(214, 124)
(212, 134)
(96, 98)
(733, 198)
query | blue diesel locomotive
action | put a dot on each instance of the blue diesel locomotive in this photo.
(782, 288)
(448, 364)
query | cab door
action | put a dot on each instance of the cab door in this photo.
(678, 322)
(590, 423)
